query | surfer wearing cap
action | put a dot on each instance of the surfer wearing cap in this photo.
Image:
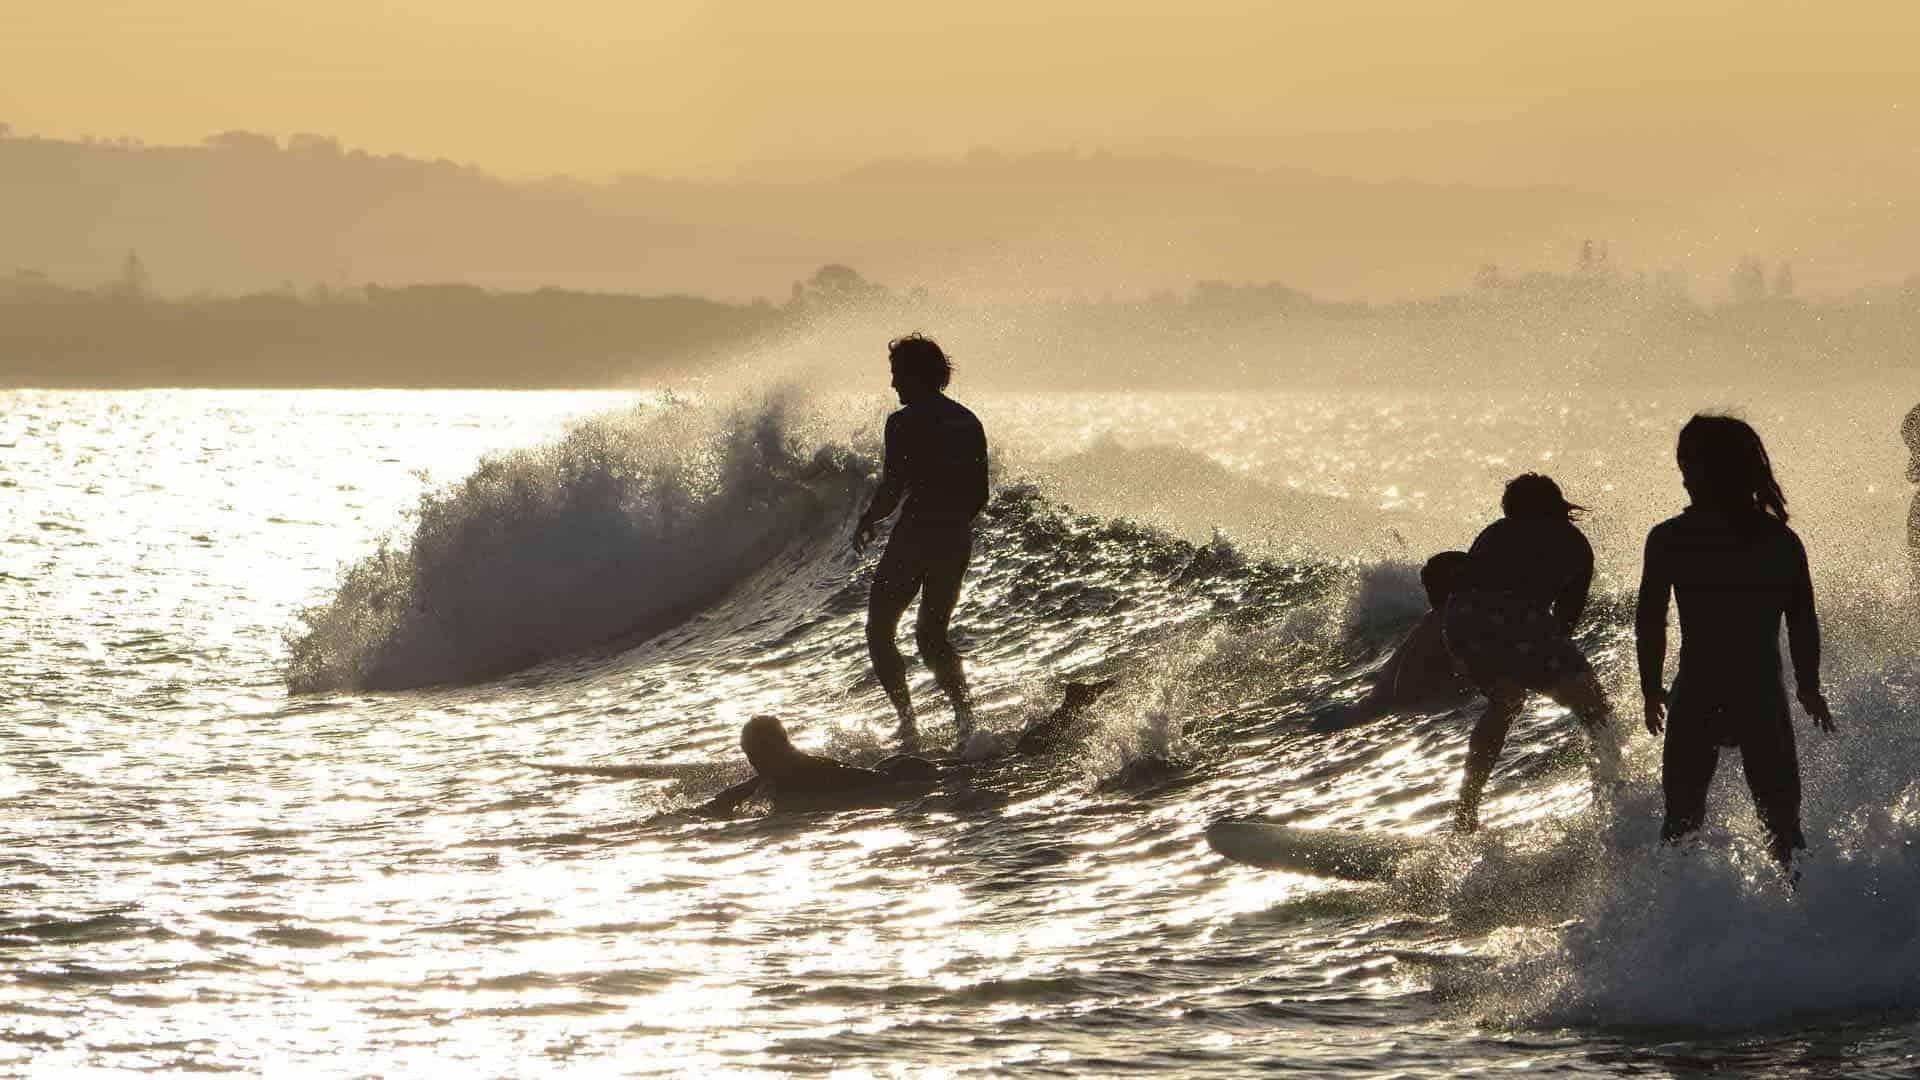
(935, 474)
(1736, 571)
(791, 779)
(1510, 624)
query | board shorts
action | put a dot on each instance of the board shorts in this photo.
(927, 559)
(1503, 636)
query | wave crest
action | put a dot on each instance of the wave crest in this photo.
(628, 525)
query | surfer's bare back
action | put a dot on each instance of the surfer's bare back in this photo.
(936, 462)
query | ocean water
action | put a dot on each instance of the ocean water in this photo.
(278, 669)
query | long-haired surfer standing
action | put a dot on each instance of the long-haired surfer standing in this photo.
(936, 462)
(1736, 570)
(1510, 624)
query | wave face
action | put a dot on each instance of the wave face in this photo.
(627, 526)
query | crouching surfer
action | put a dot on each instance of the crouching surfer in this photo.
(1510, 624)
(790, 779)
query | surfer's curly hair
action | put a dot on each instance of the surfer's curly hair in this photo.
(1533, 495)
(921, 356)
(1726, 466)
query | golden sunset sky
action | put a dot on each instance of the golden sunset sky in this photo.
(1623, 94)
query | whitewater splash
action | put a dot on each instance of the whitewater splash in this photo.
(629, 525)
(1595, 924)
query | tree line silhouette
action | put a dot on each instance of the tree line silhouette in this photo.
(1590, 321)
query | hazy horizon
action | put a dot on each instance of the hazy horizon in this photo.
(988, 225)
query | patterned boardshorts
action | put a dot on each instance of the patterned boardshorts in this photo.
(1501, 635)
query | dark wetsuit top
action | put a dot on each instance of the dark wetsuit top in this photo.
(936, 456)
(1543, 562)
(1736, 575)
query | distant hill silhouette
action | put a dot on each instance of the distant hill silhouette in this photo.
(246, 209)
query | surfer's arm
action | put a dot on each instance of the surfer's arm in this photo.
(1572, 601)
(1650, 618)
(1803, 626)
(893, 476)
(979, 479)
(1401, 679)
(728, 801)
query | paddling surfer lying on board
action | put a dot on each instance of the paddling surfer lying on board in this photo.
(791, 779)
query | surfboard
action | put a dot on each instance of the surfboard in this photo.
(661, 770)
(1340, 853)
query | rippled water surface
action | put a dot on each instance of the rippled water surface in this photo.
(205, 870)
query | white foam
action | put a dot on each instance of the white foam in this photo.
(1711, 935)
(628, 524)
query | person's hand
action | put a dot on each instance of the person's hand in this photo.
(1656, 711)
(862, 536)
(1816, 705)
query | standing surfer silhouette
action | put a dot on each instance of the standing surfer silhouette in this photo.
(1736, 570)
(1510, 624)
(936, 464)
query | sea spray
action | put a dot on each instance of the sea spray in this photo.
(1711, 934)
(627, 525)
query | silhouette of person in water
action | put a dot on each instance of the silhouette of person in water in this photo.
(791, 779)
(936, 461)
(1045, 734)
(1510, 625)
(1421, 669)
(1910, 430)
(1736, 570)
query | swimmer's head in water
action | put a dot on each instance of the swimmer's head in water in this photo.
(764, 741)
(1441, 574)
(1531, 495)
(919, 360)
(1725, 466)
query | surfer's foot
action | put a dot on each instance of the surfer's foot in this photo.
(1466, 821)
(962, 728)
(909, 735)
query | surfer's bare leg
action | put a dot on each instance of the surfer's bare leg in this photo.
(937, 600)
(1773, 776)
(1583, 695)
(893, 589)
(1483, 750)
